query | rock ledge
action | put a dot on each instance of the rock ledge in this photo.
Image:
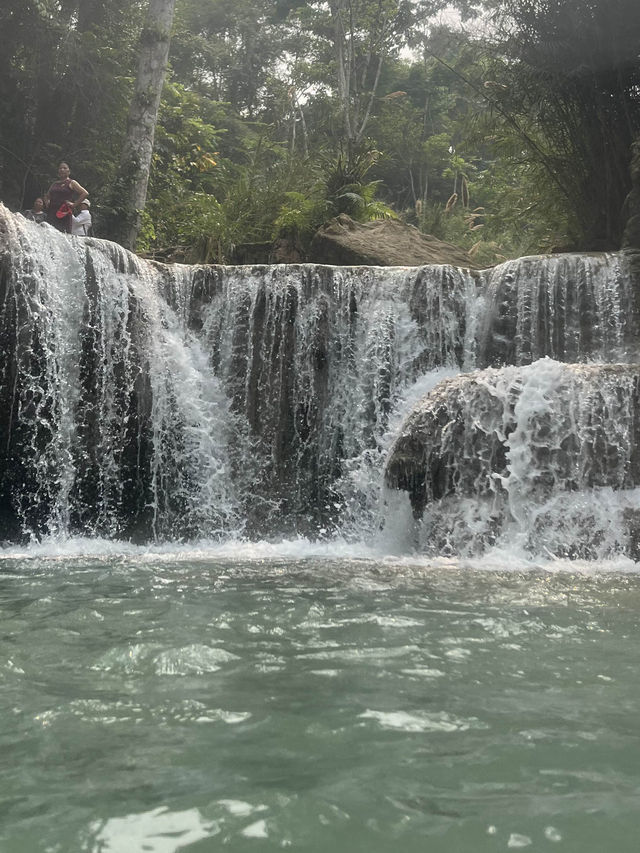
(383, 242)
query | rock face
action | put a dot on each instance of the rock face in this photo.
(546, 455)
(631, 239)
(383, 243)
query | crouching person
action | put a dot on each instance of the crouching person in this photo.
(81, 222)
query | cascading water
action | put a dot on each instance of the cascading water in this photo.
(111, 424)
(567, 307)
(543, 458)
(314, 360)
(144, 402)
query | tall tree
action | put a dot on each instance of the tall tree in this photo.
(63, 93)
(363, 34)
(228, 50)
(568, 80)
(130, 186)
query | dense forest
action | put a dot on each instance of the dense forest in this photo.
(504, 126)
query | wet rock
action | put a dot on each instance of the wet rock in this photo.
(546, 455)
(384, 243)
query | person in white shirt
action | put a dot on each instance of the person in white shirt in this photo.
(81, 223)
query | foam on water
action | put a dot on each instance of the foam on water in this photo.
(57, 554)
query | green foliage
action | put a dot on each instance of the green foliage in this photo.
(64, 92)
(147, 233)
(300, 214)
(194, 220)
(257, 137)
(347, 191)
(186, 144)
(233, 203)
(342, 189)
(566, 82)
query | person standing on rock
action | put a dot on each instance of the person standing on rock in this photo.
(60, 201)
(81, 223)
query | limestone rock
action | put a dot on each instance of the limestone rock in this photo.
(577, 425)
(383, 242)
(543, 458)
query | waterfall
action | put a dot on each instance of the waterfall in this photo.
(111, 422)
(148, 402)
(568, 307)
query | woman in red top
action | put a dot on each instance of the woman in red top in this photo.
(61, 193)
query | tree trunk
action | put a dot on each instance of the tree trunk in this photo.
(135, 162)
(343, 69)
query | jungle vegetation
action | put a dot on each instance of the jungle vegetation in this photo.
(504, 126)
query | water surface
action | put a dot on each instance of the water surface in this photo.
(194, 701)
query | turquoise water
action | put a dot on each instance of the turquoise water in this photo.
(165, 702)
